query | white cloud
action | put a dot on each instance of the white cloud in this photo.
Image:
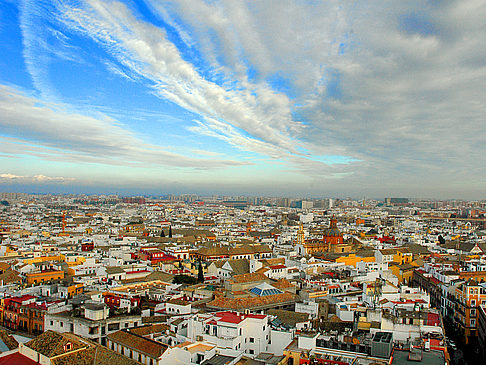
(407, 100)
(36, 179)
(53, 133)
(398, 87)
(144, 49)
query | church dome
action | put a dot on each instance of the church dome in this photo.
(333, 230)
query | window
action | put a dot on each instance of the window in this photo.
(52, 323)
(473, 312)
(252, 351)
(473, 322)
(473, 303)
(62, 324)
(113, 326)
(252, 340)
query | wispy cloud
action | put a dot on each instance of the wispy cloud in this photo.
(395, 91)
(145, 49)
(49, 131)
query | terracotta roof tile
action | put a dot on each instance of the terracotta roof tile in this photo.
(144, 345)
(251, 302)
(245, 278)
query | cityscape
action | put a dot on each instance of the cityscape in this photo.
(188, 279)
(252, 182)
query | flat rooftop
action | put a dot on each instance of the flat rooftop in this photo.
(432, 357)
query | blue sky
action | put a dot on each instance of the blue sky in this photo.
(251, 97)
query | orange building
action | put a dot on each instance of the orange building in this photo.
(75, 289)
(332, 236)
(332, 241)
(44, 276)
(468, 297)
(31, 318)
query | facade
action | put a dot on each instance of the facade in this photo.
(136, 347)
(482, 331)
(92, 322)
(13, 311)
(332, 241)
(469, 296)
(247, 334)
(44, 276)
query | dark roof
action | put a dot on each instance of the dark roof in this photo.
(94, 354)
(149, 329)
(158, 275)
(241, 266)
(8, 340)
(144, 345)
(289, 317)
(432, 357)
(114, 270)
(83, 352)
(417, 249)
(51, 344)
(226, 250)
(218, 360)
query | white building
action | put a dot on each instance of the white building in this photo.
(247, 334)
(93, 323)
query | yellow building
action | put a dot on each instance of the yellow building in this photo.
(10, 251)
(404, 272)
(403, 256)
(73, 260)
(44, 276)
(36, 260)
(468, 297)
(352, 259)
(75, 289)
(70, 260)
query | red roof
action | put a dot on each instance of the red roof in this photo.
(233, 317)
(42, 306)
(277, 267)
(433, 319)
(434, 280)
(17, 359)
(22, 298)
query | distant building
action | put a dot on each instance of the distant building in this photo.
(396, 201)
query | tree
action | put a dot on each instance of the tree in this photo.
(441, 239)
(170, 231)
(184, 279)
(200, 273)
(162, 234)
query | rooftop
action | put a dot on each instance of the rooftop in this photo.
(432, 357)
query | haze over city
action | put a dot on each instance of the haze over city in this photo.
(332, 98)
